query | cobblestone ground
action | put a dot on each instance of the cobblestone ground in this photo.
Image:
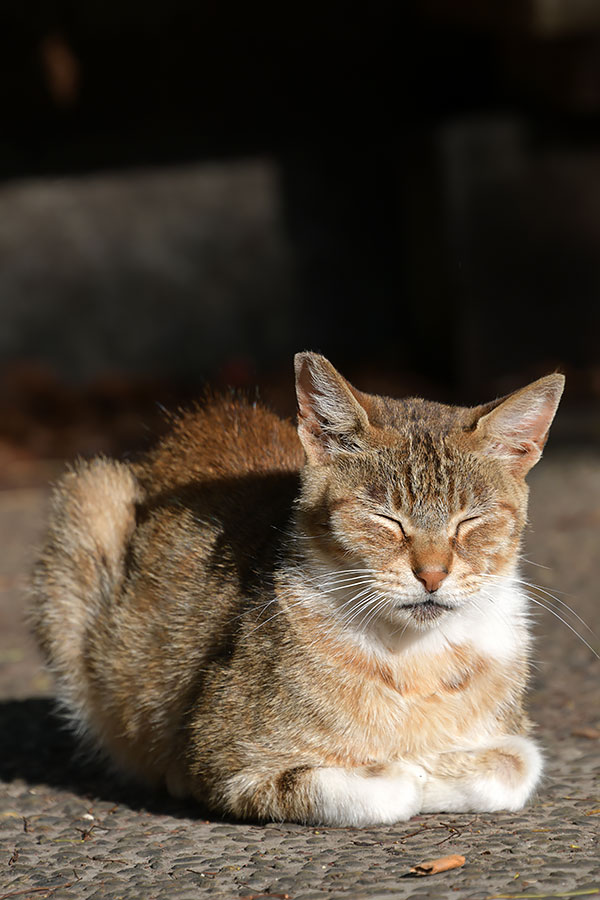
(69, 830)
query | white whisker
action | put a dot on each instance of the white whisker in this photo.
(378, 606)
(530, 562)
(550, 597)
(553, 612)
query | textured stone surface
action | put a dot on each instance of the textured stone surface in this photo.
(70, 828)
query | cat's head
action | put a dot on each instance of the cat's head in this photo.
(413, 506)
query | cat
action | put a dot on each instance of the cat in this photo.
(321, 624)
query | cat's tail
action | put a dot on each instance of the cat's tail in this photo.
(91, 518)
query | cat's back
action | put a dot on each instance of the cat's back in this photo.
(218, 490)
(227, 438)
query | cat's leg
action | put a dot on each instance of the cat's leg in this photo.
(369, 795)
(500, 775)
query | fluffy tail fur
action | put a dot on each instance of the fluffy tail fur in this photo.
(92, 515)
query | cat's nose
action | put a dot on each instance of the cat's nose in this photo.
(431, 578)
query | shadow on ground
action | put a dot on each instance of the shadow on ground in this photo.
(37, 747)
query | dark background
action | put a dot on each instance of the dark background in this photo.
(191, 192)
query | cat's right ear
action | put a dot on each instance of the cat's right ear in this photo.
(331, 418)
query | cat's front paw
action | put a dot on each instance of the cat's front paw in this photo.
(510, 772)
(502, 775)
(371, 795)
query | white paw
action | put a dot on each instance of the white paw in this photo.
(517, 773)
(502, 775)
(346, 797)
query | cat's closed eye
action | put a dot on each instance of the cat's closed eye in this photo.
(391, 521)
(465, 526)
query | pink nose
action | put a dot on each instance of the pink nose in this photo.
(431, 578)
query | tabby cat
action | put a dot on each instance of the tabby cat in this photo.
(322, 625)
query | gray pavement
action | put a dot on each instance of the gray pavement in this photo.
(70, 829)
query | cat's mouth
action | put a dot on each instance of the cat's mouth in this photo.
(426, 610)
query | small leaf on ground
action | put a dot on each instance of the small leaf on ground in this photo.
(593, 734)
(435, 866)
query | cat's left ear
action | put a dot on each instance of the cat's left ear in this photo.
(331, 417)
(516, 429)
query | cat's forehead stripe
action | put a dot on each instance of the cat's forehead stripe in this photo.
(428, 478)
